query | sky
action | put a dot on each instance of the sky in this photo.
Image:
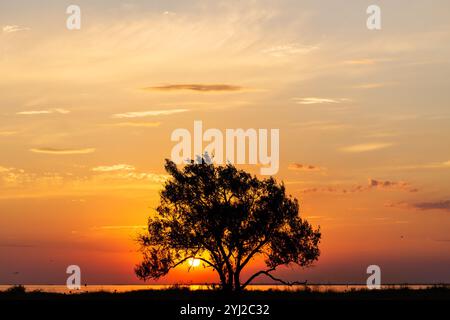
(86, 118)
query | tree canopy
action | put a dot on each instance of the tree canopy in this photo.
(225, 217)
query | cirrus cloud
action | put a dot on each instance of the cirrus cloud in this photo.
(14, 28)
(137, 124)
(304, 167)
(38, 112)
(115, 167)
(442, 205)
(7, 133)
(316, 100)
(373, 184)
(435, 205)
(152, 113)
(365, 147)
(62, 151)
(196, 87)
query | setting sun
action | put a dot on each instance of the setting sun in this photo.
(193, 262)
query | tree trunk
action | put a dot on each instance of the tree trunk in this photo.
(237, 281)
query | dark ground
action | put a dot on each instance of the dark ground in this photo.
(433, 303)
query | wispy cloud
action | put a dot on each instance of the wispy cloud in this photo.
(436, 205)
(316, 100)
(38, 112)
(322, 125)
(115, 167)
(432, 165)
(62, 151)
(366, 62)
(304, 167)
(127, 172)
(14, 28)
(196, 87)
(442, 205)
(373, 184)
(7, 133)
(137, 124)
(365, 147)
(4, 169)
(152, 113)
(289, 49)
(120, 227)
(387, 184)
(360, 62)
(374, 85)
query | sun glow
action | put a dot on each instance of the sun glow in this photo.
(193, 262)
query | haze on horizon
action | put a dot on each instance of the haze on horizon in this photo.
(86, 118)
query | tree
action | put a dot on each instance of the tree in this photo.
(225, 217)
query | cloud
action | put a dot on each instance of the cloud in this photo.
(304, 167)
(196, 87)
(372, 185)
(333, 189)
(436, 205)
(289, 49)
(400, 185)
(153, 113)
(62, 151)
(443, 205)
(37, 112)
(4, 169)
(120, 227)
(432, 165)
(373, 85)
(14, 28)
(360, 62)
(154, 177)
(7, 133)
(366, 147)
(137, 124)
(316, 100)
(116, 167)
(127, 172)
(365, 61)
(322, 125)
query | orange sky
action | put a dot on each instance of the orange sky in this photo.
(363, 118)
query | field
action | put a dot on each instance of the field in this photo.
(180, 303)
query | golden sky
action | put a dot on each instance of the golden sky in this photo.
(86, 118)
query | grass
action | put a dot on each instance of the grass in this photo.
(182, 293)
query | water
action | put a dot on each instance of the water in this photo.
(126, 288)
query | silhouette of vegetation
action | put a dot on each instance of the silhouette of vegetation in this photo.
(16, 289)
(225, 217)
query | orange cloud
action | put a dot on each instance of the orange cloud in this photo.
(196, 87)
(62, 151)
(436, 205)
(38, 112)
(115, 167)
(304, 167)
(443, 205)
(372, 184)
(366, 147)
(152, 113)
(401, 185)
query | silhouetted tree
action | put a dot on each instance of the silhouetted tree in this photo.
(225, 217)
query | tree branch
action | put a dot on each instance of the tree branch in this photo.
(267, 273)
